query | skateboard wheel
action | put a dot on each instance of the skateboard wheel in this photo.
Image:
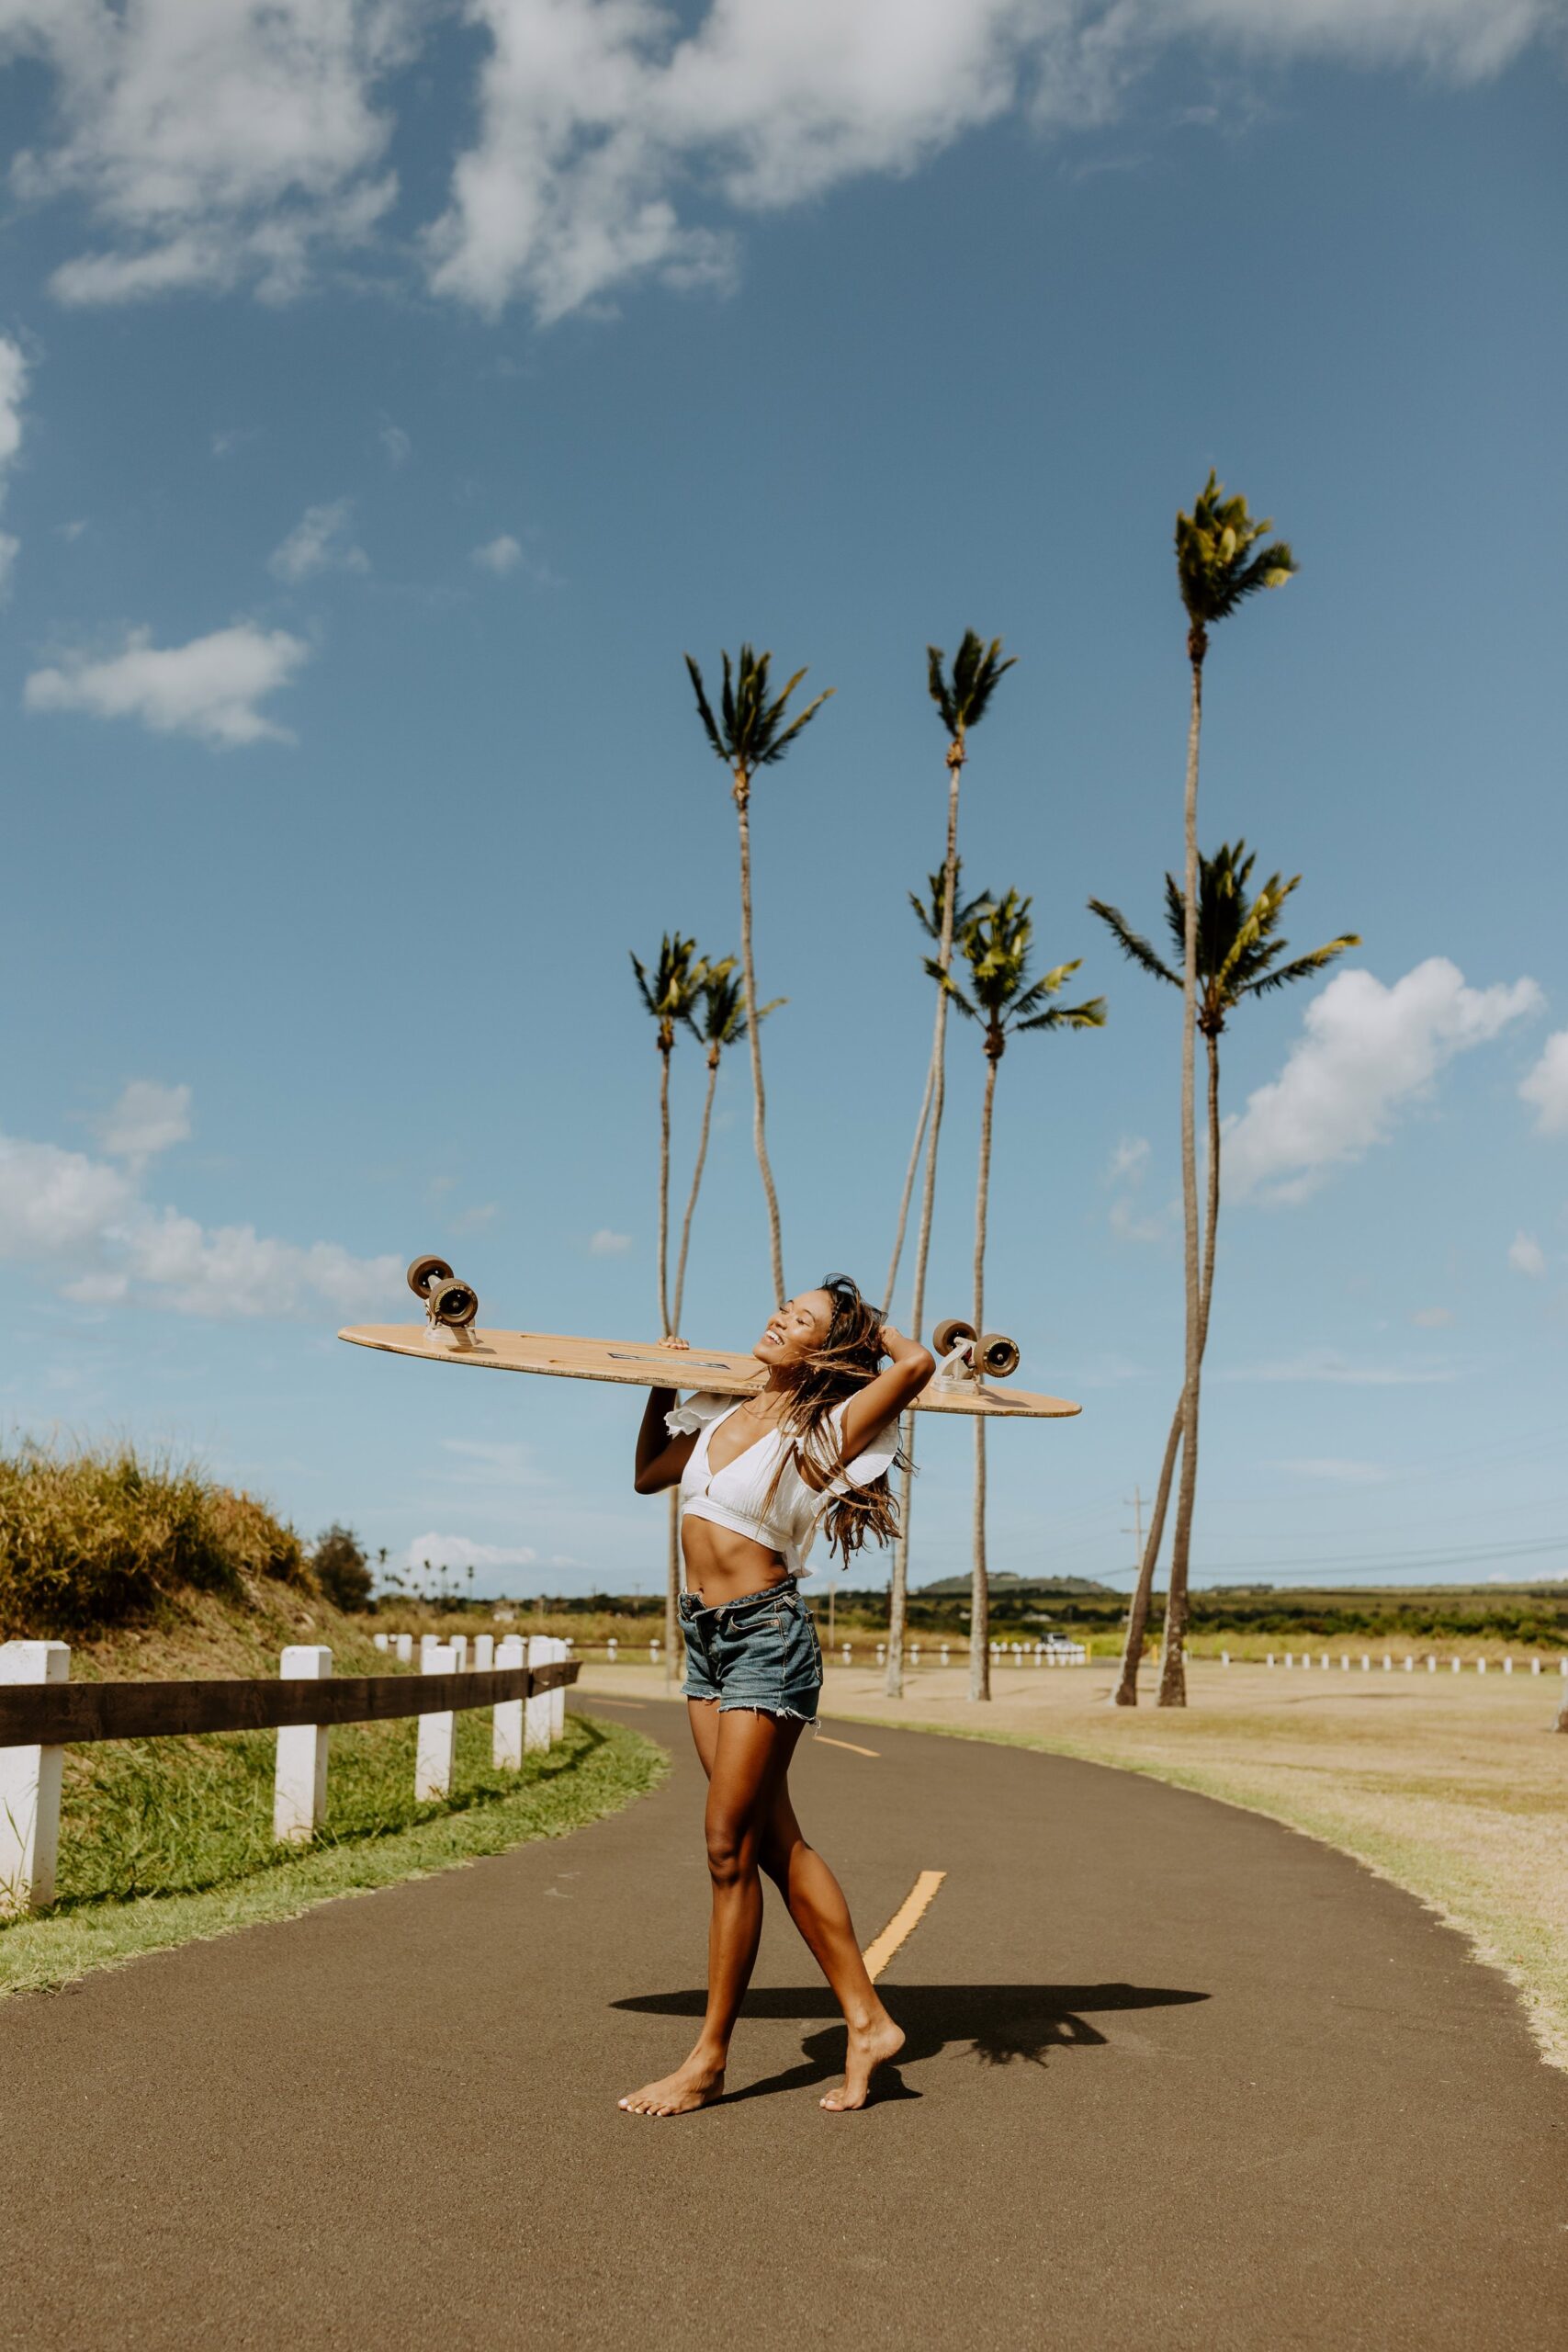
(997, 1354)
(425, 1270)
(948, 1333)
(452, 1302)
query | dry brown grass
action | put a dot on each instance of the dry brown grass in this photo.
(1453, 1785)
(103, 1536)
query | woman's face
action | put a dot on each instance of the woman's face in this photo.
(800, 1326)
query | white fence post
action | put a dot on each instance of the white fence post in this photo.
(946, 1654)
(438, 1733)
(459, 1648)
(484, 1653)
(558, 1698)
(506, 1742)
(380, 1640)
(536, 1718)
(299, 1784)
(30, 1787)
(404, 1647)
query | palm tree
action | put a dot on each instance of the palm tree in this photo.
(996, 946)
(1239, 953)
(722, 1022)
(671, 998)
(753, 735)
(1219, 564)
(962, 697)
(671, 995)
(930, 922)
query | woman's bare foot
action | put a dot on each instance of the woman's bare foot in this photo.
(692, 2085)
(870, 2047)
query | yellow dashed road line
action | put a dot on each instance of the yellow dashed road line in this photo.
(902, 1924)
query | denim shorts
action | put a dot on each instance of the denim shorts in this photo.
(761, 1652)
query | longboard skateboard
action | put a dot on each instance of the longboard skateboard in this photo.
(450, 1335)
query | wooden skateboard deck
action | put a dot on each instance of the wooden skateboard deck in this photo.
(641, 1363)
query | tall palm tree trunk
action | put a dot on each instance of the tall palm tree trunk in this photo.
(696, 1185)
(673, 1557)
(980, 1587)
(673, 1564)
(898, 1594)
(1173, 1671)
(908, 1190)
(664, 1323)
(1173, 1677)
(760, 1108)
(1127, 1693)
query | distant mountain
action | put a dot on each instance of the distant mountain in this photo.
(1046, 1588)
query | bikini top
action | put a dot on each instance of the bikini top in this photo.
(737, 1496)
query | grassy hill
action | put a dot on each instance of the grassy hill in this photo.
(151, 1572)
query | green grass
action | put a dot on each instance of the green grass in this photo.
(166, 1841)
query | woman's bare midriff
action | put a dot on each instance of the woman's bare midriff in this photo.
(722, 1566)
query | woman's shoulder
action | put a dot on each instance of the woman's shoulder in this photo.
(696, 1411)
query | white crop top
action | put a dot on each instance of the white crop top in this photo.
(737, 1496)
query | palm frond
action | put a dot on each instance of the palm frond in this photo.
(1131, 943)
(1088, 1015)
(1303, 968)
(705, 712)
(945, 981)
(1219, 560)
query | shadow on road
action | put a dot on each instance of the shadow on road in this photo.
(994, 2023)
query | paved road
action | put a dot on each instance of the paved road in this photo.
(1175, 2077)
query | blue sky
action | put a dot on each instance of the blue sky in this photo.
(370, 458)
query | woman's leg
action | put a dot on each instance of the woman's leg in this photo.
(750, 1756)
(816, 1906)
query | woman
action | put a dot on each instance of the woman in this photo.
(758, 1475)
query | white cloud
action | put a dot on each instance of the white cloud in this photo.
(215, 145)
(1327, 1365)
(147, 1118)
(1334, 1471)
(88, 1224)
(209, 688)
(1129, 1160)
(13, 390)
(320, 541)
(71, 532)
(1368, 1051)
(595, 121)
(1526, 1255)
(396, 446)
(245, 141)
(605, 1244)
(461, 1552)
(484, 1462)
(1433, 1318)
(475, 1219)
(499, 555)
(1547, 1085)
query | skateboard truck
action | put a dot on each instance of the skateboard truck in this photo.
(449, 1306)
(966, 1359)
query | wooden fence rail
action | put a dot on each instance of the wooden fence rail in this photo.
(66, 1714)
(42, 1711)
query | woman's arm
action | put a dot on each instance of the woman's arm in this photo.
(660, 1458)
(883, 1400)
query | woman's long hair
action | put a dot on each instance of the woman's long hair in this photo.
(850, 1356)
